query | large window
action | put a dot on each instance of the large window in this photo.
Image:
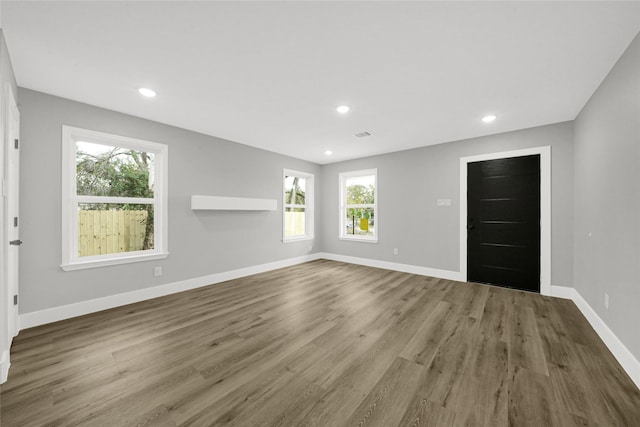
(358, 205)
(297, 206)
(114, 199)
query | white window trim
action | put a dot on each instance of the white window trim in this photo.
(342, 206)
(70, 259)
(309, 206)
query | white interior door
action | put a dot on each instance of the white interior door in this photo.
(12, 219)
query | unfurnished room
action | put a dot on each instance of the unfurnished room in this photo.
(320, 213)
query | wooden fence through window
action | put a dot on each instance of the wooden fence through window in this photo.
(294, 223)
(110, 231)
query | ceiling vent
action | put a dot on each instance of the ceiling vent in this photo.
(362, 134)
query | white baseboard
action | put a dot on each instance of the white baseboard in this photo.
(405, 268)
(622, 354)
(50, 315)
(4, 366)
(563, 292)
(629, 363)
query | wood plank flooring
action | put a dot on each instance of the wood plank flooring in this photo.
(322, 344)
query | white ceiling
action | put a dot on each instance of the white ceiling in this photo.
(271, 74)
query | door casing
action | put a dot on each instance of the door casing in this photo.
(545, 208)
(12, 207)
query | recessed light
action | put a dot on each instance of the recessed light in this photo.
(328, 152)
(147, 92)
(343, 109)
(489, 118)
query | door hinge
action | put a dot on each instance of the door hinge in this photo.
(15, 221)
(15, 300)
(16, 143)
(15, 242)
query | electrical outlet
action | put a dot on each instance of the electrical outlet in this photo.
(157, 271)
(606, 301)
(310, 248)
(395, 251)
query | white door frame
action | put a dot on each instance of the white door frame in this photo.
(4, 306)
(12, 133)
(545, 208)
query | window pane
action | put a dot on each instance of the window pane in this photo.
(114, 228)
(295, 222)
(294, 190)
(360, 222)
(103, 170)
(361, 190)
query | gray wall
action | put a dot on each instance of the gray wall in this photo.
(6, 69)
(607, 199)
(200, 243)
(410, 182)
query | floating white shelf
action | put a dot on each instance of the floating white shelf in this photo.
(232, 203)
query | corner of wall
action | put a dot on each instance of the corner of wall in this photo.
(606, 251)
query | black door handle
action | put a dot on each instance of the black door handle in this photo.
(470, 225)
(15, 242)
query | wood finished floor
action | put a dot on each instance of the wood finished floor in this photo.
(323, 344)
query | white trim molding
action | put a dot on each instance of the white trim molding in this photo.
(545, 209)
(564, 292)
(36, 318)
(55, 314)
(627, 360)
(405, 268)
(4, 366)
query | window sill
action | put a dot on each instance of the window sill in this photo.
(358, 239)
(297, 239)
(81, 265)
